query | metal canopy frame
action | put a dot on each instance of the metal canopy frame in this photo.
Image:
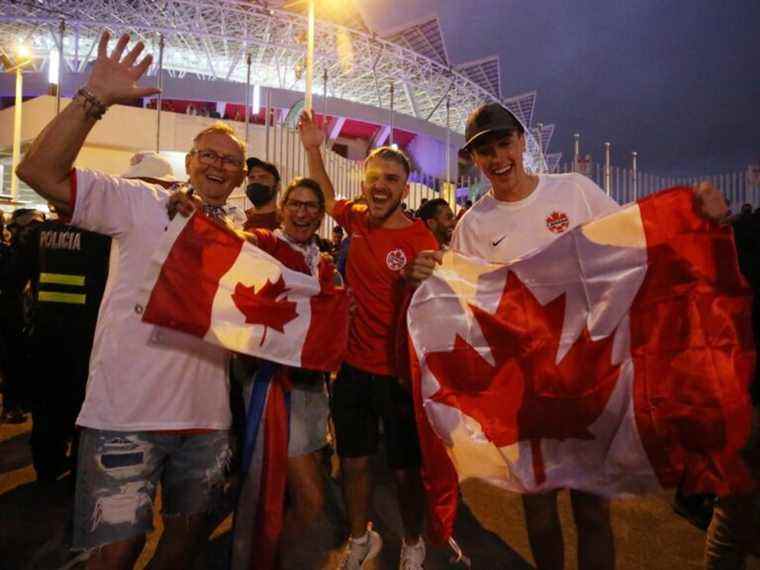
(485, 72)
(425, 38)
(522, 106)
(207, 40)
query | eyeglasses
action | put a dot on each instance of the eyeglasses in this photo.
(210, 158)
(295, 205)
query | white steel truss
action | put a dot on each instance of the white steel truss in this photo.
(553, 162)
(342, 12)
(209, 40)
(544, 135)
(425, 38)
(522, 106)
(485, 72)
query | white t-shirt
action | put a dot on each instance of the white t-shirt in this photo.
(142, 377)
(502, 231)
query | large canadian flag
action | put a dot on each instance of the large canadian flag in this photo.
(208, 281)
(616, 361)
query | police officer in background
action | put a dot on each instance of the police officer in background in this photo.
(67, 269)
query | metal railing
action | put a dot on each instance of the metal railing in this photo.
(627, 185)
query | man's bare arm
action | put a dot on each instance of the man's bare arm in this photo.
(312, 138)
(48, 162)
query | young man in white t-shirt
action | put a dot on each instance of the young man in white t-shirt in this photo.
(523, 212)
(156, 407)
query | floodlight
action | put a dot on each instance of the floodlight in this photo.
(23, 52)
(54, 66)
(256, 99)
(23, 56)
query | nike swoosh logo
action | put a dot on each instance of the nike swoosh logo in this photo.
(498, 241)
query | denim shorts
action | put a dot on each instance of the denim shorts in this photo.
(309, 411)
(119, 472)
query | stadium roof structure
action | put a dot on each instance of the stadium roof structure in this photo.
(553, 161)
(543, 134)
(522, 106)
(485, 72)
(425, 38)
(212, 40)
(341, 12)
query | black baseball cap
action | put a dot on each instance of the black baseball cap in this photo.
(255, 162)
(489, 118)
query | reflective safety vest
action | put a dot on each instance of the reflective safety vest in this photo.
(59, 296)
(72, 266)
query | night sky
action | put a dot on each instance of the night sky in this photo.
(677, 81)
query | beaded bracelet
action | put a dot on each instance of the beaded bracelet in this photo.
(93, 107)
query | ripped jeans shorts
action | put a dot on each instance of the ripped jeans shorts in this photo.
(119, 472)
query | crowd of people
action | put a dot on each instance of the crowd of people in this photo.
(169, 409)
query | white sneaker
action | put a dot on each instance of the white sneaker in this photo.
(359, 551)
(412, 556)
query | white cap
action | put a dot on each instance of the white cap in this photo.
(148, 164)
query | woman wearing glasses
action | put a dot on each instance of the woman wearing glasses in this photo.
(294, 245)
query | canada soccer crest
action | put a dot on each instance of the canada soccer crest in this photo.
(395, 260)
(557, 222)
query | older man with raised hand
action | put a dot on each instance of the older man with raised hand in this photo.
(156, 408)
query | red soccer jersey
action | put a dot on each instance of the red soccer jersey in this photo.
(376, 257)
(267, 221)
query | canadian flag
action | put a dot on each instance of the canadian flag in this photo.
(616, 361)
(208, 281)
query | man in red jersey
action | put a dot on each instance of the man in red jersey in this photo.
(383, 241)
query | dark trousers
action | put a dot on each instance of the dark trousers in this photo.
(13, 362)
(61, 364)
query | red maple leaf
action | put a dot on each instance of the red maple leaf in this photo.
(263, 307)
(524, 395)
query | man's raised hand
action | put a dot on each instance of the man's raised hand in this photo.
(311, 134)
(114, 77)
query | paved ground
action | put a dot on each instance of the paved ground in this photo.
(648, 535)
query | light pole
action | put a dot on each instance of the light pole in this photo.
(23, 58)
(57, 79)
(16, 133)
(607, 167)
(309, 57)
(247, 98)
(160, 85)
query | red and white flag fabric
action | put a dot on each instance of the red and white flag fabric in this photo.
(617, 361)
(208, 281)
